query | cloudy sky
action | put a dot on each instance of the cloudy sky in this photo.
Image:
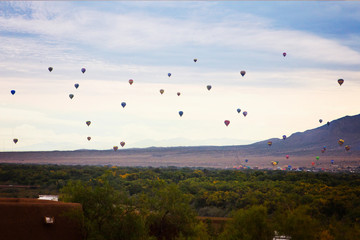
(118, 40)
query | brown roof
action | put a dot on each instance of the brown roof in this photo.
(22, 218)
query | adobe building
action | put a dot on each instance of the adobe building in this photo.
(27, 219)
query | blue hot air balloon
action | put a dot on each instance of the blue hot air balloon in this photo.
(76, 85)
(246, 160)
(238, 110)
(123, 104)
(169, 74)
(181, 113)
(12, 92)
(284, 137)
(83, 70)
(332, 161)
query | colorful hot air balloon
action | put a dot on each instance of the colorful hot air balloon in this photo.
(83, 70)
(115, 148)
(269, 143)
(242, 73)
(161, 91)
(332, 161)
(320, 120)
(88, 123)
(88, 138)
(284, 54)
(284, 137)
(208, 87)
(287, 156)
(15, 140)
(341, 81)
(347, 147)
(245, 113)
(50, 69)
(131, 81)
(227, 122)
(12, 92)
(289, 167)
(178, 93)
(195, 59)
(324, 147)
(71, 96)
(181, 113)
(123, 104)
(341, 142)
(322, 150)
(238, 110)
(317, 158)
(169, 74)
(122, 144)
(76, 85)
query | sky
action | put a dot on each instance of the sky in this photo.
(120, 40)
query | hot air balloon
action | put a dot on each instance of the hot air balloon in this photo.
(313, 163)
(328, 123)
(195, 59)
(245, 113)
(181, 113)
(227, 122)
(238, 110)
(287, 156)
(131, 81)
(332, 161)
(76, 85)
(115, 148)
(347, 147)
(341, 81)
(284, 54)
(324, 147)
(317, 158)
(269, 143)
(12, 92)
(284, 137)
(123, 104)
(322, 150)
(15, 140)
(161, 91)
(341, 142)
(122, 144)
(71, 96)
(242, 73)
(88, 138)
(246, 160)
(88, 123)
(178, 93)
(83, 70)
(169, 74)
(320, 120)
(208, 87)
(50, 69)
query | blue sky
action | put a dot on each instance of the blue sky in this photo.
(119, 40)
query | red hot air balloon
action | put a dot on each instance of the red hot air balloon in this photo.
(131, 81)
(287, 156)
(227, 122)
(341, 81)
(178, 93)
(313, 163)
(284, 54)
(88, 138)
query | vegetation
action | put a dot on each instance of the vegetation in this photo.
(162, 203)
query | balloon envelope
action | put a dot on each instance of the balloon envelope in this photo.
(123, 104)
(76, 85)
(287, 156)
(332, 161)
(71, 96)
(246, 160)
(245, 113)
(122, 144)
(208, 87)
(227, 122)
(88, 138)
(115, 148)
(320, 120)
(284, 54)
(238, 110)
(88, 123)
(178, 93)
(131, 81)
(317, 157)
(242, 72)
(269, 143)
(347, 147)
(12, 92)
(15, 140)
(284, 137)
(195, 59)
(83, 70)
(50, 69)
(341, 142)
(169, 74)
(161, 91)
(341, 81)
(181, 113)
